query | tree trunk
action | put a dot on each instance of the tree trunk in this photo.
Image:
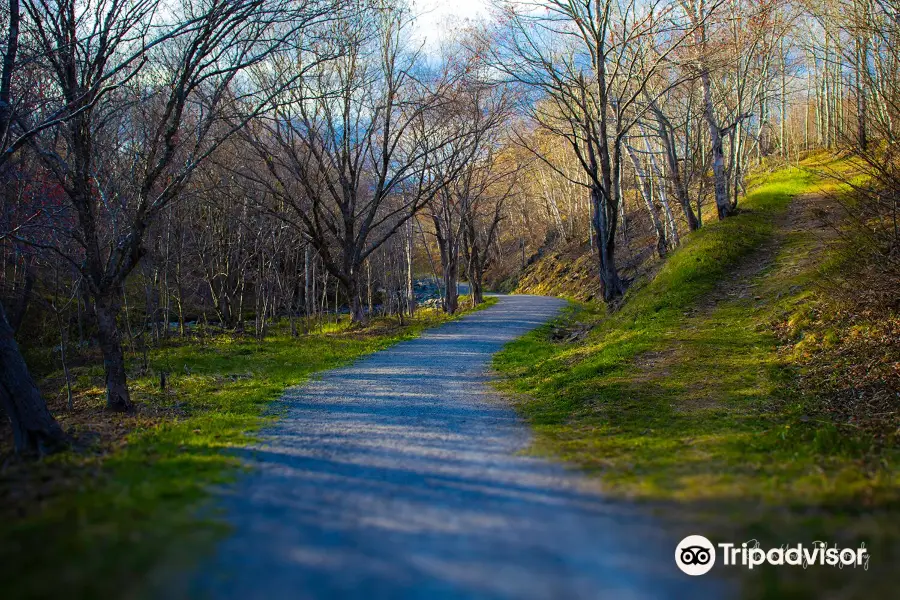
(674, 171)
(410, 290)
(720, 182)
(357, 310)
(117, 396)
(450, 268)
(448, 244)
(34, 428)
(308, 293)
(647, 194)
(861, 60)
(783, 103)
(611, 286)
(451, 292)
(477, 288)
(475, 266)
(672, 236)
(63, 336)
(17, 314)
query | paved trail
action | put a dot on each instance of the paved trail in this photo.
(398, 477)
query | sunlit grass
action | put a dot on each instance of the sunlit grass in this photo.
(580, 378)
(137, 505)
(676, 400)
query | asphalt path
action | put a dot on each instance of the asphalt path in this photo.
(402, 476)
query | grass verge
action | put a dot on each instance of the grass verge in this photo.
(94, 521)
(684, 398)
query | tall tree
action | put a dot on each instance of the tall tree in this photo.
(474, 119)
(346, 153)
(589, 63)
(700, 13)
(34, 428)
(151, 89)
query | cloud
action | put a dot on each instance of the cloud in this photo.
(436, 17)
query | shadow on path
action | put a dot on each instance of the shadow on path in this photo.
(400, 477)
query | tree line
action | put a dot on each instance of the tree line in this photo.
(225, 164)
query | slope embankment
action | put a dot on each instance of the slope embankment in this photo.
(697, 392)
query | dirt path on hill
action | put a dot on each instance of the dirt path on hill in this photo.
(804, 225)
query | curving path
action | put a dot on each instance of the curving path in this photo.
(399, 477)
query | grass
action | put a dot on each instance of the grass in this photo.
(574, 379)
(683, 398)
(116, 509)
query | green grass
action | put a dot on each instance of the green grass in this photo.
(578, 379)
(112, 517)
(677, 399)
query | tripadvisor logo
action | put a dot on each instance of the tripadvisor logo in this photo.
(696, 555)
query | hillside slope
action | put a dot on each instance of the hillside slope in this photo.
(569, 272)
(697, 391)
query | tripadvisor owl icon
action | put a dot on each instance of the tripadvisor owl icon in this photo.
(695, 555)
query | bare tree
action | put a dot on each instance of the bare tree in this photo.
(590, 66)
(347, 153)
(34, 428)
(177, 97)
(489, 184)
(473, 118)
(700, 11)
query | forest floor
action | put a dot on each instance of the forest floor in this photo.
(697, 396)
(91, 521)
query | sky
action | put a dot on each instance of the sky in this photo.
(435, 15)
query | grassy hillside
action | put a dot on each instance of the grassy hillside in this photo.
(693, 393)
(569, 272)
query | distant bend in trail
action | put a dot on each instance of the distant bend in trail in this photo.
(399, 477)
